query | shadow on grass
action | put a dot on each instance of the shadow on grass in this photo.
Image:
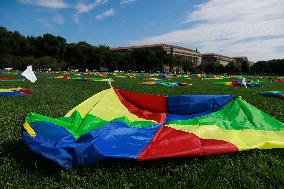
(32, 162)
(26, 159)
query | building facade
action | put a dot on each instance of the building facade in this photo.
(211, 58)
(179, 53)
(240, 59)
(184, 55)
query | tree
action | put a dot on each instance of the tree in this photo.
(231, 68)
(47, 62)
(245, 67)
(50, 45)
(268, 67)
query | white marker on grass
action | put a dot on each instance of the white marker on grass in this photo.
(29, 74)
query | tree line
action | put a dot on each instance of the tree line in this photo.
(270, 67)
(48, 51)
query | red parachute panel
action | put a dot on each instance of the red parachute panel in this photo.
(146, 106)
(169, 142)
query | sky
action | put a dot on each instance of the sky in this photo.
(252, 28)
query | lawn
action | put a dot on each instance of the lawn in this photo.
(20, 168)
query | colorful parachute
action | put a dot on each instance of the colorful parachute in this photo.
(199, 75)
(238, 83)
(164, 76)
(9, 79)
(152, 79)
(62, 77)
(216, 77)
(98, 79)
(79, 78)
(127, 125)
(15, 92)
(131, 75)
(90, 79)
(120, 76)
(278, 94)
(278, 80)
(65, 77)
(167, 84)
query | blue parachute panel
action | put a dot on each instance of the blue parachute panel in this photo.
(190, 106)
(13, 93)
(115, 139)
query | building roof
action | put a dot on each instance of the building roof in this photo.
(152, 46)
(240, 57)
(213, 54)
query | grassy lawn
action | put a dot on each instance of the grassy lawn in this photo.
(20, 168)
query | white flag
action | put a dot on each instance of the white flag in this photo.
(29, 74)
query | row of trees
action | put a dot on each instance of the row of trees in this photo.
(240, 67)
(49, 51)
(271, 67)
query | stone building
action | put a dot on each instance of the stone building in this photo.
(180, 53)
(240, 59)
(211, 58)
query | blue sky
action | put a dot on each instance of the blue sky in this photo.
(253, 28)
(129, 21)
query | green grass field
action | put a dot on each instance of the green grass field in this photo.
(20, 168)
